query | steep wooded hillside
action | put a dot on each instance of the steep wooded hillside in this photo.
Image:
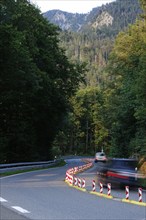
(108, 19)
(89, 37)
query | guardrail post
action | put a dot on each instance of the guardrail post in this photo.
(93, 185)
(109, 189)
(101, 188)
(83, 183)
(127, 192)
(79, 182)
(75, 181)
(140, 194)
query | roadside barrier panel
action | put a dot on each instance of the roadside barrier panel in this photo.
(140, 194)
(71, 180)
(101, 188)
(127, 192)
(109, 189)
(70, 172)
(75, 181)
(93, 186)
(66, 176)
(79, 182)
(80, 168)
(83, 183)
(75, 170)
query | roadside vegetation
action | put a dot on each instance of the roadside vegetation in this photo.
(36, 82)
(60, 163)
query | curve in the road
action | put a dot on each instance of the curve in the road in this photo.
(75, 170)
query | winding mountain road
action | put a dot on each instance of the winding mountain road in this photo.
(44, 195)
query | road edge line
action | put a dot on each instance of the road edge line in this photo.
(101, 195)
(134, 202)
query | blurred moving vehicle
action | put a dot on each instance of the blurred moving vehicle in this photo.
(100, 157)
(119, 172)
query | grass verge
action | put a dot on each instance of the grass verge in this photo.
(8, 173)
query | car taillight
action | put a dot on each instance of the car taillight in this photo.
(117, 175)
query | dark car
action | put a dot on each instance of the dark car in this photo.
(119, 172)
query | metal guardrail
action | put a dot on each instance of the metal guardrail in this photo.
(26, 165)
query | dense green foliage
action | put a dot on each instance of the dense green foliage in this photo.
(84, 126)
(90, 49)
(116, 121)
(127, 66)
(36, 81)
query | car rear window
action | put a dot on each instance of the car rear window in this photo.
(100, 154)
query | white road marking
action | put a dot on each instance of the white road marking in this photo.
(2, 200)
(20, 209)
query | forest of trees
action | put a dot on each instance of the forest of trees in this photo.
(109, 111)
(36, 81)
(48, 106)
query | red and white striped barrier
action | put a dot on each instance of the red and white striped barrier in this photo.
(127, 192)
(71, 180)
(79, 182)
(75, 181)
(66, 176)
(101, 188)
(83, 183)
(140, 194)
(93, 186)
(70, 172)
(109, 189)
(75, 170)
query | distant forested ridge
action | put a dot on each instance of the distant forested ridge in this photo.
(111, 17)
(89, 37)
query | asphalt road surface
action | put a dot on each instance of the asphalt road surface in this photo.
(44, 195)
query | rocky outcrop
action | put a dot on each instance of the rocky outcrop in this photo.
(103, 19)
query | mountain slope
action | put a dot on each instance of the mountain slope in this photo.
(113, 16)
(90, 37)
(65, 20)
